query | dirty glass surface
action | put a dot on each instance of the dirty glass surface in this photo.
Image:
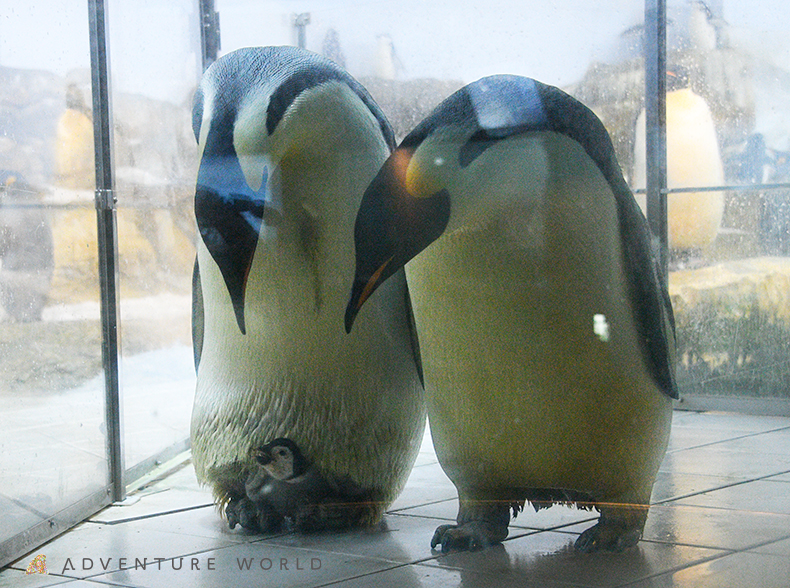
(727, 134)
(727, 125)
(155, 59)
(52, 439)
(411, 55)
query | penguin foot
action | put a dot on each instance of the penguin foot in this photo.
(480, 525)
(469, 537)
(242, 511)
(613, 533)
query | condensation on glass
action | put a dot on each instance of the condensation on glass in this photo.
(155, 63)
(728, 131)
(728, 173)
(52, 444)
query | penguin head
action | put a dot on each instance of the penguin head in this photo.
(254, 108)
(282, 459)
(477, 151)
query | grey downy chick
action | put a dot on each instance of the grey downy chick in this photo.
(287, 486)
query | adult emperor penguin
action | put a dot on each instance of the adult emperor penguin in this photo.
(545, 329)
(693, 160)
(288, 142)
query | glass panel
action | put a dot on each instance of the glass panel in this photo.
(52, 442)
(411, 55)
(155, 56)
(728, 123)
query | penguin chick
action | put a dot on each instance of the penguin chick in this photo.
(288, 486)
(288, 142)
(545, 327)
(281, 459)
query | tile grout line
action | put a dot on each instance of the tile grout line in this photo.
(680, 568)
(365, 575)
(417, 562)
(738, 483)
(397, 510)
(725, 553)
(746, 436)
(148, 516)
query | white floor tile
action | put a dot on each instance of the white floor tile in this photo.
(714, 526)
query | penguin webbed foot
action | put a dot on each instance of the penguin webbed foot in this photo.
(480, 525)
(242, 511)
(253, 516)
(471, 536)
(618, 529)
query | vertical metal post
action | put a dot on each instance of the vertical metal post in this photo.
(209, 32)
(300, 23)
(108, 240)
(655, 47)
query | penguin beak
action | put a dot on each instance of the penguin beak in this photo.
(361, 291)
(262, 455)
(392, 227)
(229, 217)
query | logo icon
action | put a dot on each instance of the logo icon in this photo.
(38, 565)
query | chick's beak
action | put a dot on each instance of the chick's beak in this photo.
(261, 455)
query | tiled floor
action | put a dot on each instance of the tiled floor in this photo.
(720, 519)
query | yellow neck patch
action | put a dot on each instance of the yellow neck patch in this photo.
(420, 182)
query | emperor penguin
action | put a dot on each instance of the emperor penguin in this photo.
(546, 331)
(288, 142)
(693, 160)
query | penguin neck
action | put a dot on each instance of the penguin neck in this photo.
(508, 178)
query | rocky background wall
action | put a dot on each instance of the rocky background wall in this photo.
(49, 289)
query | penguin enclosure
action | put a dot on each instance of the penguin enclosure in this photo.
(98, 164)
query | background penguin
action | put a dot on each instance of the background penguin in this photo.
(288, 142)
(693, 160)
(546, 334)
(388, 65)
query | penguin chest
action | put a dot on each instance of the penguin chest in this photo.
(295, 372)
(533, 374)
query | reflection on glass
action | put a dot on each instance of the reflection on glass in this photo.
(52, 443)
(155, 61)
(729, 297)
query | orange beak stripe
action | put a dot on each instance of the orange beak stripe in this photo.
(368, 290)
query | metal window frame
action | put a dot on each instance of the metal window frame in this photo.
(107, 233)
(107, 226)
(655, 48)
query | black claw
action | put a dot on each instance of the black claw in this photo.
(241, 511)
(439, 535)
(605, 538)
(459, 538)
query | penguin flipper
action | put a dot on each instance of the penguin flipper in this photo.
(415, 341)
(654, 319)
(198, 318)
(646, 286)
